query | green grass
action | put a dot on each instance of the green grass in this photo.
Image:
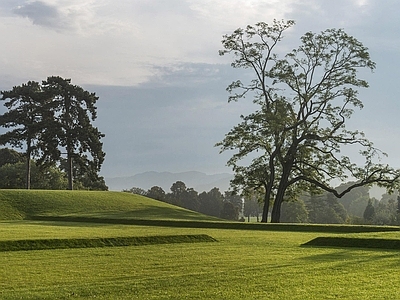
(268, 263)
(22, 204)
(243, 264)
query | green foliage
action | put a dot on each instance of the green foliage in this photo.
(325, 209)
(369, 212)
(156, 193)
(355, 200)
(12, 176)
(211, 202)
(28, 114)
(51, 117)
(294, 212)
(229, 211)
(303, 100)
(10, 156)
(252, 207)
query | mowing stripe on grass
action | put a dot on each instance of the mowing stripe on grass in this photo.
(43, 244)
(341, 242)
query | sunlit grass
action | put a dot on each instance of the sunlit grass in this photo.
(20, 204)
(267, 263)
(243, 264)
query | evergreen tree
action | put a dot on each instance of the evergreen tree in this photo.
(369, 212)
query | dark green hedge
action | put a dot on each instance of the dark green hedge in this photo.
(342, 242)
(43, 244)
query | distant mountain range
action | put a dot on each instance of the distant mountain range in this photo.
(197, 180)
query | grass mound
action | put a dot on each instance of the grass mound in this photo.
(24, 204)
(343, 242)
(43, 244)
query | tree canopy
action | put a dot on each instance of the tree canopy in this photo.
(295, 138)
(51, 119)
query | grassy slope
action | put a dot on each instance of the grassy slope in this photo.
(21, 204)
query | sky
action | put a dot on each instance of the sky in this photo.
(161, 84)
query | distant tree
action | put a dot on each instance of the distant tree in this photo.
(178, 189)
(211, 202)
(229, 211)
(10, 156)
(325, 209)
(354, 201)
(156, 193)
(74, 109)
(398, 204)
(235, 199)
(178, 192)
(369, 212)
(252, 207)
(294, 212)
(136, 191)
(386, 213)
(191, 200)
(296, 134)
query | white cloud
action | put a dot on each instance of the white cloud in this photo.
(165, 53)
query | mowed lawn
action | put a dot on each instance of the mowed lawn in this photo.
(242, 264)
(267, 263)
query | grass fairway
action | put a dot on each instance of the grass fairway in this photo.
(242, 264)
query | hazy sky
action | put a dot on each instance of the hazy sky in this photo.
(155, 66)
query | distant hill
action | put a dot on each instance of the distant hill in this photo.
(197, 180)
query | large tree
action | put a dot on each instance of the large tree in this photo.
(51, 119)
(74, 110)
(27, 113)
(296, 135)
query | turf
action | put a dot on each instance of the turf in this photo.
(23, 204)
(243, 264)
(268, 263)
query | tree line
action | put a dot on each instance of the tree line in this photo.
(52, 121)
(356, 207)
(213, 203)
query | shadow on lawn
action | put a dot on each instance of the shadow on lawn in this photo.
(350, 258)
(158, 213)
(131, 220)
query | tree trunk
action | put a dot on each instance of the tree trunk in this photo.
(264, 218)
(68, 131)
(267, 197)
(69, 168)
(28, 165)
(276, 209)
